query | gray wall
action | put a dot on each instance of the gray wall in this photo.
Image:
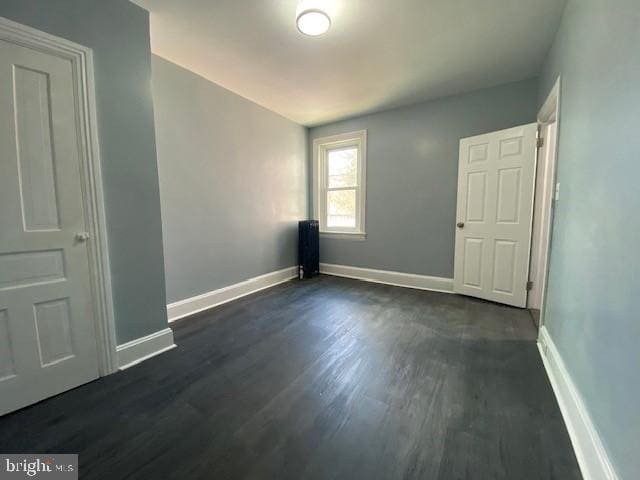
(412, 170)
(118, 33)
(592, 313)
(233, 181)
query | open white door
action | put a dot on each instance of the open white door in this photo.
(496, 178)
(47, 334)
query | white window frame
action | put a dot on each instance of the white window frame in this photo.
(321, 146)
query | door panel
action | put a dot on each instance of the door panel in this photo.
(7, 364)
(18, 269)
(510, 147)
(473, 262)
(495, 207)
(478, 152)
(476, 197)
(35, 153)
(47, 337)
(54, 331)
(508, 210)
(504, 260)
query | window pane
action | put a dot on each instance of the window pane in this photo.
(342, 167)
(341, 208)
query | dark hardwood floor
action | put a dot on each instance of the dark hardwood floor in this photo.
(327, 378)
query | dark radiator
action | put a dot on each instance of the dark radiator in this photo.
(308, 248)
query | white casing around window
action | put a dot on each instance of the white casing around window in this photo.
(321, 146)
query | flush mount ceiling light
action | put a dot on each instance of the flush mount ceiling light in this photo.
(312, 20)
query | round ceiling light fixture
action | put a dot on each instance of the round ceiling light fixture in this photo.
(313, 21)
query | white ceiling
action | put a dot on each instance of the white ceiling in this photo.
(378, 53)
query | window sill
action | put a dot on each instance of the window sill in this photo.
(345, 235)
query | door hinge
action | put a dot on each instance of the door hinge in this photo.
(529, 285)
(540, 142)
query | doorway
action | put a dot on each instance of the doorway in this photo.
(547, 194)
(56, 321)
(495, 206)
(506, 195)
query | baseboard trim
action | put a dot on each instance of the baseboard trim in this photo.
(205, 301)
(409, 280)
(143, 348)
(592, 457)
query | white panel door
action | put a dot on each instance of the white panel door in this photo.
(47, 338)
(496, 177)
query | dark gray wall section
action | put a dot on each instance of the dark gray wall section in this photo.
(233, 181)
(592, 307)
(118, 33)
(412, 176)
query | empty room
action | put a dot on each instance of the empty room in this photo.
(319, 239)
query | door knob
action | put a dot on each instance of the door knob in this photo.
(81, 237)
(460, 225)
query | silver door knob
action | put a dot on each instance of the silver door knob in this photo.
(460, 225)
(81, 237)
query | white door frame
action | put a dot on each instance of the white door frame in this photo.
(81, 59)
(550, 112)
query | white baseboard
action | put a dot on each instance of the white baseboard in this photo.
(199, 303)
(410, 280)
(143, 348)
(592, 457)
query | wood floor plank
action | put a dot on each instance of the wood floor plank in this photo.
(328, 378)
